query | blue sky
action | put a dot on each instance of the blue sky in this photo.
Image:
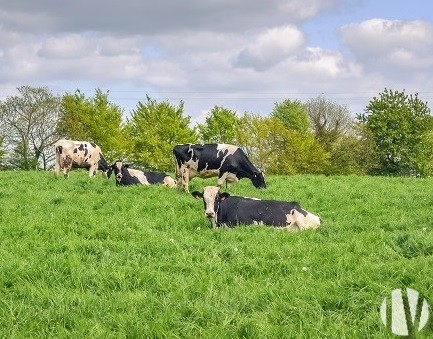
(245, 55)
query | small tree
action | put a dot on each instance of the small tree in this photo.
(400, 127)
(28, 124)
(154, 129)
(329, 120)
(219, 126)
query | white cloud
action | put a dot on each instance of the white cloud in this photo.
(270, 47)
(71, 46)
(390, 43)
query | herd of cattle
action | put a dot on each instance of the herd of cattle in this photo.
(227, 162)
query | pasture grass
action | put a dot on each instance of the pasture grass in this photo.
(82, 258)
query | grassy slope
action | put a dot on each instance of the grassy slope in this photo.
(84, 258)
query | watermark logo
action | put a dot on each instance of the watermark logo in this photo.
(406, 314)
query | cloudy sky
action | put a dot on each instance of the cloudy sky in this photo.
(245, 55)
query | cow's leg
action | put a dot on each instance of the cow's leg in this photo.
(178, 177)
(184, 181)
(57, 166)
(66, 172)
(92, 170)
(222, 179)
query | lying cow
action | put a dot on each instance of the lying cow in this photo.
(225, 210)
(78, 154)
(129, 176)
(228, 162)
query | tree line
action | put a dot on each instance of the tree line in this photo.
(393, 136)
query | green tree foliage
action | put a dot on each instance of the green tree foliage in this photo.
(293, 115)
(28, 126)
(219, 126)
(94, 119)
(401, 128)
(154, 129)
(278, 150)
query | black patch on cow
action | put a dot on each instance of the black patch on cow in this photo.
(93, 144)
(103, 166)
(67, 161)
(75, 150)
(155, 177)
(59, 149)
(81, 147)
(86, 151)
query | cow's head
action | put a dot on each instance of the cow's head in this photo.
(103, 166)
(118, 168)
(258, 180)
(212, 198)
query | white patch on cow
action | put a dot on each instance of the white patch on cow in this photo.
(139, 175)
(169, 182)
(297, 221)
(231, 149)
(227, 176)
(255, 222)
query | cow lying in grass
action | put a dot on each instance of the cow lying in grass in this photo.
(225, 210)
(129, 176)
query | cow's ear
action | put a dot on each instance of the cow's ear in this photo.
(224, 195)
(197, 195)
(125, 165)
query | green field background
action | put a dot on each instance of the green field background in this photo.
(83, 258)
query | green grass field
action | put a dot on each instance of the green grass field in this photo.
(82, 258)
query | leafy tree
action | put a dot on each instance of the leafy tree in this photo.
(219, 126)
(401, 128)
(28, 124)
(154, 129)
(293, 115)
(329, 120)
(278, 150)
(94, 119)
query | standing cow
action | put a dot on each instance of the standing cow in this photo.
(129, 176)
(225, 210)
(78, 154)
(228, 162)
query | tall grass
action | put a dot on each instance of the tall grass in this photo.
(82, 258)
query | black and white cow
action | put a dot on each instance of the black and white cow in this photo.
(225, 210)
(129, 176)
(78, 154)
(228, 162)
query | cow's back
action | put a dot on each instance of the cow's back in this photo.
(240, 210)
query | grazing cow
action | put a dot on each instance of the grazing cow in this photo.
(128, 176)
(228, 162)
(78, 154)
(225, 210)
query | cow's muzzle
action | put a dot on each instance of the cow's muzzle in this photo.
(210, 214)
